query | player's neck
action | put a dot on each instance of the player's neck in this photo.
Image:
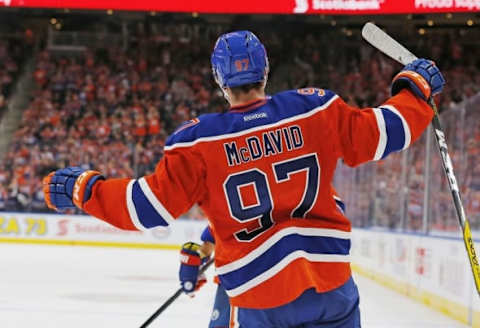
(246, 98)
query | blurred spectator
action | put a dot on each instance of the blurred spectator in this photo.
(11, 56)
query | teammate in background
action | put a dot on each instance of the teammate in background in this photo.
(192, 257)
(262, 172)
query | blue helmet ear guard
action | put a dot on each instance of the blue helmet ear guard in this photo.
(239, 58)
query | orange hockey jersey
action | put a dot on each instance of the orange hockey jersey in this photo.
(263, 174)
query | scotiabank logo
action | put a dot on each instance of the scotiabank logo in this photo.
(6, 2)
(63, 227)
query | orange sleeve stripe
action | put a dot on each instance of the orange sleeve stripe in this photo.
(233, 317)
(419, 81)
(80, 186)
(46, 190)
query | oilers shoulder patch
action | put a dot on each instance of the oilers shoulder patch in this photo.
(187, 124)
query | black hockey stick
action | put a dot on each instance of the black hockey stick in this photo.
(173, 297)
(386, 44)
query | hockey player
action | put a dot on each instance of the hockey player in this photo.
(262, 172)
(192, 257)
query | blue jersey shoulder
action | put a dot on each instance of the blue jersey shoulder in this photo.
(278, 107)
(303, 100)
(206, 125)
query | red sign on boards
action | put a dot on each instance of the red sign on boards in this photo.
(352, 7)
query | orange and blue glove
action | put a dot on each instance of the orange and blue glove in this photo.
(69, 187)
(421, 76)
(191, 260)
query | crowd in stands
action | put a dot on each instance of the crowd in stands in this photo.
(106, 110)
(112, 109)
(362, 75)
(11, 57)
(391, 193)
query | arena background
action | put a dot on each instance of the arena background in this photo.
(103, 88)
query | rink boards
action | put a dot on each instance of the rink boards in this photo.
(84, 230)
(432, 270)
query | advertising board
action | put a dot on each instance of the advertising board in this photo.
(85, 230)
(341, 7)
(433, 270)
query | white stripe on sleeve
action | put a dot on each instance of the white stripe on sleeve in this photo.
(406, 128)
(131, 207)
(161, 210)
(382, 138)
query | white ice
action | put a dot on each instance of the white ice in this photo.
(74, 286)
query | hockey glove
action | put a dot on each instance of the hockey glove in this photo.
(69, 187)
(191, 260)
(421, 76)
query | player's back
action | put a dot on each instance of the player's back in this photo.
(269, 167)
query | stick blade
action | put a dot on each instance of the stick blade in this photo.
(386, 44)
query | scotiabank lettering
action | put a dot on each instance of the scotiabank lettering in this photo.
(302, 6)
(346, 4)
(29, 226)
(102, 229)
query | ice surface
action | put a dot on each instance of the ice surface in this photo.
(89, 287)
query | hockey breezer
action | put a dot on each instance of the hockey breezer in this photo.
(386, 44)
(172, 298)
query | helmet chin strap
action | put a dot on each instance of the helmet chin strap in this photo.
(265, 78)
(225, 94)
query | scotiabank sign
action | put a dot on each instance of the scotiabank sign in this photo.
(85, 230)
(259, 6)
(384, 6)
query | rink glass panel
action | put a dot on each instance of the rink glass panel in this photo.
(401, 193)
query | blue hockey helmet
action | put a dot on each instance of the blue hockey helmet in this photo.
(239, 58)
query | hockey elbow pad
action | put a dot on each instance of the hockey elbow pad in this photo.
(69, 187)
(421, 76)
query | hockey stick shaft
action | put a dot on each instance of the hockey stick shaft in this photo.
(173, 298)
(386, 44)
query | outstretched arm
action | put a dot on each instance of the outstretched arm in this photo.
(373, 133)
(131, 204)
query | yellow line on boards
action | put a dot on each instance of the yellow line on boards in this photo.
(452, 309)
(87, 243)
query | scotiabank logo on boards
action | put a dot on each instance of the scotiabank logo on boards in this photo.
(80, 226)
(62, 227)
